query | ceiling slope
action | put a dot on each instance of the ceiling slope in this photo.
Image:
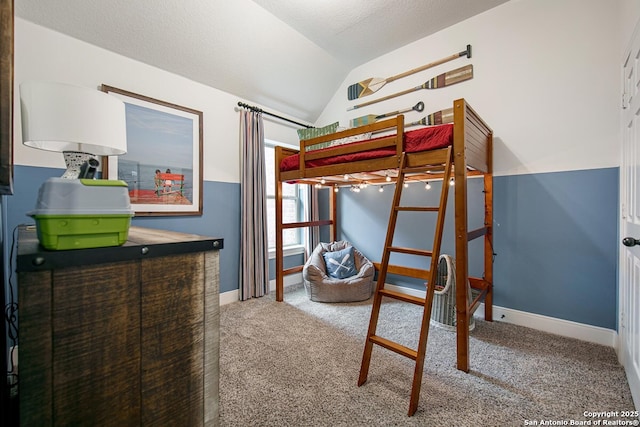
(287, 55)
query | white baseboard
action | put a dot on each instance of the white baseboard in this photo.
(565, 328)
(290, 280)
(233, 296)
(229, 297)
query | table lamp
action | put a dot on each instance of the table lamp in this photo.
(76, 211)
(79, 122)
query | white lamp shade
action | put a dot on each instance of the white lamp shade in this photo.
(62, 117)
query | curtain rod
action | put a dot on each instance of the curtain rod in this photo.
(260, 110)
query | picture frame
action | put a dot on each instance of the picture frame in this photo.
(6, 96)
(163, 164)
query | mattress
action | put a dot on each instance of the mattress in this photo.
(424, 139)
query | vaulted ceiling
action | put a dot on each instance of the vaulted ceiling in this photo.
(288, 55)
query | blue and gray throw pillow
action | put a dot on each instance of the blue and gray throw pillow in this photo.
(340, 264)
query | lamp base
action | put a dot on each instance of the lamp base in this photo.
(79, 165)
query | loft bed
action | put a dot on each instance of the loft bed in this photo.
(466, 144)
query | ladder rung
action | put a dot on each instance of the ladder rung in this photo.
(418, 273)
(394, 346)
(418, 208)
(402, 296)
(411, 251)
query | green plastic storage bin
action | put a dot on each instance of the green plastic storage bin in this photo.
(82, 213)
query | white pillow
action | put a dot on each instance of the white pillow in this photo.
(350, 139)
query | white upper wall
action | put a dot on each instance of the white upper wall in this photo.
(629, 16)
(43, 54)
(546, 79)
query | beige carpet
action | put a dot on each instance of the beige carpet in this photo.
(296, 364)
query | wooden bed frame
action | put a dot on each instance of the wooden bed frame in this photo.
(472, 155)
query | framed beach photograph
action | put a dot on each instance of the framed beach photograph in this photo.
(163, 164)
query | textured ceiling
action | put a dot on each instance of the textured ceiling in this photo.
(288, 55)
(356, 31)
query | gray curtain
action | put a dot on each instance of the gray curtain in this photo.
(254, 251)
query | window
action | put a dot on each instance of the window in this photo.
(293, 206)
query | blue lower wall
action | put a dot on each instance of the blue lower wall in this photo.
(555, 239)
(363, 219)
(221, 216)
(555, 235)
(288, 262)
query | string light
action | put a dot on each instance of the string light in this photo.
(381, 189)
(336, 188)
(323, 181)
(451, 181)
(428, 186)
(387, 177)
(406, 184)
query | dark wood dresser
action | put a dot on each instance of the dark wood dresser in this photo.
(121, 336)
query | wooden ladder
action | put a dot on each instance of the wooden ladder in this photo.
(429, 275)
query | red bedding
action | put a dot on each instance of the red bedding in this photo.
(425, 139)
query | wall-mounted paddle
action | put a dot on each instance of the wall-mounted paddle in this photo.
(445, 79)
(372, 85)
(436, 118)
(372, 118)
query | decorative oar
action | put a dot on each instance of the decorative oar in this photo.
(445, 79)
(372, 85)
(436, 118)
(372, 118)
